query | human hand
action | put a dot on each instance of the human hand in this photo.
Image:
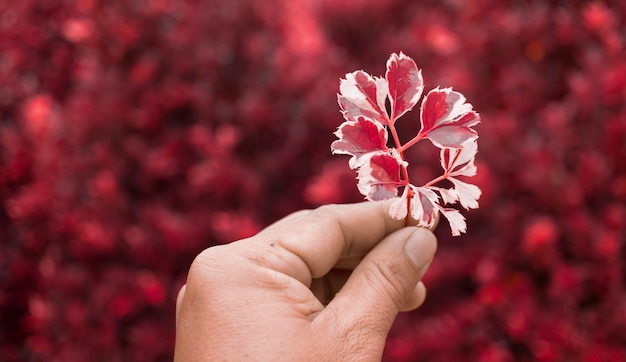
(319, 285)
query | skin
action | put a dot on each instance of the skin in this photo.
(318, 285)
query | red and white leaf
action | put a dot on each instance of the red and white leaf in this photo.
(460, 161)
(447, 119)
(358, 138)
(379, 177)
(363, 95)
(405, 84)
(468, 193)
(455, 219)
(424, 206)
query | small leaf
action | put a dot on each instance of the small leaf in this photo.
(363, 95)
(460, 161)
(449, 196)
(379, 177)
(405, 84)
(455, 219)
(446, 118)
(398, 209)
(468, 193)
(358, 138)
(424, 206)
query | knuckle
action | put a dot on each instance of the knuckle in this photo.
(298, 213)
(327, 217)
(207, 262)
(227, 264)
(325, 220)
(328, 211)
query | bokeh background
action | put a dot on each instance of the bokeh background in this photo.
(134, 134)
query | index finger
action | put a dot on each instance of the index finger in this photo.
(321, 237)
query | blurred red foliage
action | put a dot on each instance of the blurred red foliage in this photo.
(133, 134)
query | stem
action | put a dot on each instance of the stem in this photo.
(396, 140)
(409, 196)
(445, 174)
(405, 173)
(435, 180)
(415, 139)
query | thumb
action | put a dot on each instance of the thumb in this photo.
(381, 285)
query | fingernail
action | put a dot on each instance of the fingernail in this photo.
(419, 250)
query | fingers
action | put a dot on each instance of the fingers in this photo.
(326, 287)
(385, 283)
(320, 238)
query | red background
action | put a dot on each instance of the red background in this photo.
(133, 134)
